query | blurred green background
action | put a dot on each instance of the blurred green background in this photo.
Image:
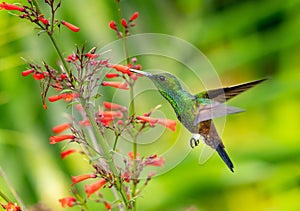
(244, 40)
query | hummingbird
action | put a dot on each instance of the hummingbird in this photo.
(196, 111)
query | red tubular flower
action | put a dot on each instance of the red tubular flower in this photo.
(114, 106)
(63, 76)
(56, 139)
(85, 122)
(54, 98)
(155, 161)
(134, 76)
(134, 60)
(113, 25)
(79, 107)
(38, 76)
(70, 26)
(76, 179)
(138, 67)
(91, 55)
(92, 188)
(110, 114)
(27, 72)
(118, 85)
(134, 16)
(131, 155)
(6, 6)
(68, 201)
(171, 124)
(126, 177)
(66, 153)
(111, 75)
(107, 205)
(72, 58)
(106, 121)
(124, 23)
(120, 122)
(61, 128)
(151, 174)
(121, 68)
(151, 121)
(11, 207)
(69, 96)
(43, 20)
(106, 117)
(57, 86)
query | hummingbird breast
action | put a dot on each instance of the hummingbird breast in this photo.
(185, 111)
(184, 105)
(187, 119)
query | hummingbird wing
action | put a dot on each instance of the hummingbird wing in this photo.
(226, 93)
(214, 110)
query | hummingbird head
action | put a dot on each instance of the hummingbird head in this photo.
(165, 82)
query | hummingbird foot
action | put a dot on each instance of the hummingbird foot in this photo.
(194, 141)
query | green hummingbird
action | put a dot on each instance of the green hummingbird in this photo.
(196, 112)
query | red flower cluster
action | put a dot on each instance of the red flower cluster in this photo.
(126, 24)
(11, 207)
(152, 160)
(36, 74)
(28, 14)
(123, 70)
(51, 78)
(59, 129)
(106, 117)
(67, 201)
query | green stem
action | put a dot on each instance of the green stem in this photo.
(36, 6)
(106, 154)
(132, 106)
(12, 190)
(116, 141)
(134, 180)
(131, 112)
(60, 54)
(3, 196)
(82, 201)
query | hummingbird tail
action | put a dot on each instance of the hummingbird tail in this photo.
(220, 149)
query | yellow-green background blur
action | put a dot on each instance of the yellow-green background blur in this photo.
(244, 40)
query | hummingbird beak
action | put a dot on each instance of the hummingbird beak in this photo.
(141, 72)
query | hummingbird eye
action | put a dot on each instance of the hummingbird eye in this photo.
(162, 78)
